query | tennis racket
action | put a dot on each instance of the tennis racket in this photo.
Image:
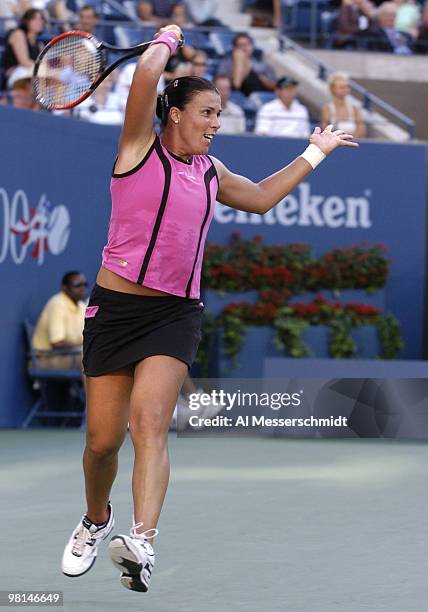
(71, 67)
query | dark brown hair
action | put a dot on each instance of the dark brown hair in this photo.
(28, 16)
(179, 93)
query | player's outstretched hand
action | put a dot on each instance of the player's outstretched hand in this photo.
(328, 140)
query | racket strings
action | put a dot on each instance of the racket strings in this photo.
(67, 71)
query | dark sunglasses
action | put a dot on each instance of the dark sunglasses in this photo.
(77, 285)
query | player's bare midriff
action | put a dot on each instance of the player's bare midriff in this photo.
(110, 280)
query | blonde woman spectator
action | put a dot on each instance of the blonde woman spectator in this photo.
(340, 111)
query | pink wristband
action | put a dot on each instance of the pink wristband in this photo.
(169, 39)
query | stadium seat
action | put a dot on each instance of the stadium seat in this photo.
(131, 7)
(213, 64)
(200, 40)
(300, 17)
(129, 34)
(73, 6)
(328, 23)
(222, 41)
(248, 106)
(246, 4)
(238, 98)
(41, 377)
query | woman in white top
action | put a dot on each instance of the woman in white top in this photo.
(341, 112)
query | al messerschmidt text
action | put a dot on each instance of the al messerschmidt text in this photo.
(262, 421)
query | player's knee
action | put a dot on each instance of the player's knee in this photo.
(151, 428)
(102, 447)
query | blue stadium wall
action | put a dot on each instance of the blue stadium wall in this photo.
(55, 205)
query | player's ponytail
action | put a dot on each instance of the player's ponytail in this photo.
(161, 111)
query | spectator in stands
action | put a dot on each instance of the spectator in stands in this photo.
(21, 89)
(408, 17)
(124, 83)
(163, 12)
(22, 45)
(284, 116)
(202, 12)
(10, 11)
(384, 36)
(232, 120)
(340, 111)
(198, 66)
(41, 5)
(58, 9)
(354, 17)
(61, 322)
(422, 39)
(277, 12)
(184, 55)
(88, 19)
(103, 106)
(247, 73)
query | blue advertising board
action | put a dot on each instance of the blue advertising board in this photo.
(55, 206)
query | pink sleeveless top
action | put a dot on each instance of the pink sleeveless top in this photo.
(161, 212)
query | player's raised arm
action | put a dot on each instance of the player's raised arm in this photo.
(138, 130)
(242, 193)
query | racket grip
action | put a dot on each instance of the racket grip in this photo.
(169, 39)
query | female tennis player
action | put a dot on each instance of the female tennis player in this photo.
(143, 321)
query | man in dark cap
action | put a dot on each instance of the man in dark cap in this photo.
(284, 116)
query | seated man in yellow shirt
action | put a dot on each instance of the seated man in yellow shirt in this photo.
(60, 324)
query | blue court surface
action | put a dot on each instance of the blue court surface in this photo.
(249, 524)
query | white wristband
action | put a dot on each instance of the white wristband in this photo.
(313, 155)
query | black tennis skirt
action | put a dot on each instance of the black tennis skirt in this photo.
(122, 329)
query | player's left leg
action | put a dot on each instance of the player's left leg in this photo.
(157, 383)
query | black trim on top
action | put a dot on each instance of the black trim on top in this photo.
(167, 169)
(138, 166)
(208, 176)
(188, 162)
(215, 169)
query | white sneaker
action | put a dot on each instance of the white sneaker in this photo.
(81, 549)
(134, 556)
